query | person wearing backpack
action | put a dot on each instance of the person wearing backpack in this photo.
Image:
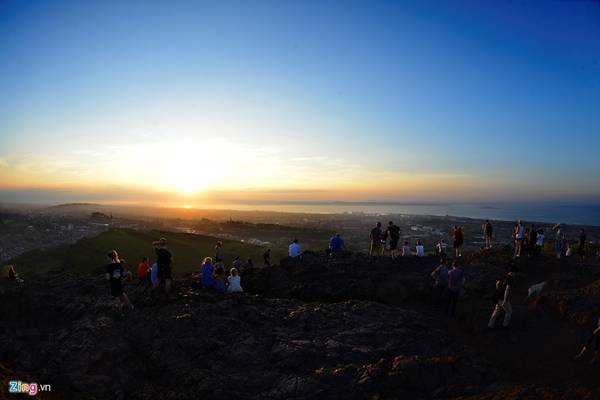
(502, 301)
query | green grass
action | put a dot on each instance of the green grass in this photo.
(89, 255)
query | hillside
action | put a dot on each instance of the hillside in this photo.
(88, 255)
(319, 328)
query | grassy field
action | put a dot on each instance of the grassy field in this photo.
(89, 255)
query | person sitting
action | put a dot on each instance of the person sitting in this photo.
(336, 244)
(143, 270)
(154, 274)
(234, 281)
(294, 249)
(406, 249)
(249, 264)
(420, 249)
(219, 279)
(237, 263)
(208, 280)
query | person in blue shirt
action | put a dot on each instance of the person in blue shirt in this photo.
(208, 280)
(219, 279)
(336, 244)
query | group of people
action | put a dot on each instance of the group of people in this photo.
(213, 277)
(379, 242)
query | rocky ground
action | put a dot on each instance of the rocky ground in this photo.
(316, 328)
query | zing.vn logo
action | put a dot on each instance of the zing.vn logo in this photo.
(30, 388)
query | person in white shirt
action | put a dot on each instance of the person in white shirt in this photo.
(294, 249)
(420, 249)
(234, 281)
(406, 250)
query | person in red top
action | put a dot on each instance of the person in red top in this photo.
(143, 270)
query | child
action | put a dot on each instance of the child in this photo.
(219, 278)
(234, 281)
(406, 250)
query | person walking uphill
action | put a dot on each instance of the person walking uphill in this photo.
(393, 232)
(114, 275)
(164, 259)
(375, 238)
(456, 282)
(502, 301)
(440, 277)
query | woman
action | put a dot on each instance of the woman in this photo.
(558, 241)
(208, 280)
(114, 275)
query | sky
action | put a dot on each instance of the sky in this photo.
(190, 102)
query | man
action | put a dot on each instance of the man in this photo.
(294, 249)
(336, 244)
(164, 258)
(440, 277)
(502, 300)
(488, 231)
(456, 281)
(375, 237)
(219, 252)
(393, 232)
(267, 258)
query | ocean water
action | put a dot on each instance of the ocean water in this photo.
(575, 214)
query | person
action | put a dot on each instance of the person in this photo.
(440, 278)
(249, 264)
(154, 274)
(539, 241)
(12, 274)
(595, 340)
(502, 301)
(237, 263)
(234, 281)
(294, 249)
(488, 232)
(219, 279)
(568, 251)
(518, 234)
(143, 270)
(456, 282)
(208, 280)
(393, 232)
(218, 252)
(582, 250)
(375, 238)
(457, 235)
(114, 276)
(267, 258)
(336, 244)
(420, 249)
(164, 259)
(406, 249)
(384, 239)
(558, 240)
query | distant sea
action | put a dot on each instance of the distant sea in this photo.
(575, 214)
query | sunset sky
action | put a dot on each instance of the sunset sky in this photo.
(192, 101)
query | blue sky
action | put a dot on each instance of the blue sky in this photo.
(344, 100)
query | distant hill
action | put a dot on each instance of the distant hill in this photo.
(89, 255)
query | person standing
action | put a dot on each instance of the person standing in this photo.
(595, 340)
(539, 243)
(531, 241)
(294, 249)
(456, 282)
(143, 270)
(420, 249)
(394, 234)
(375, 238)
(518, 233)
(267, 258)
(440, 278)
(502, 301)
(488, 232)
(164, 259)
(219, 252)
(457, 236)
(558, 240)
(237, 263)
(114, 275)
